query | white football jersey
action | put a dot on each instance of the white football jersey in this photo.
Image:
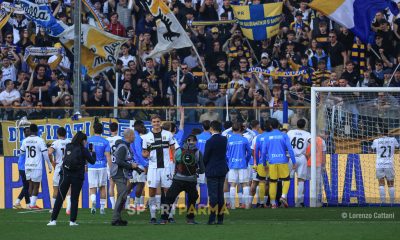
(59, 149)
(158, 145)
(299, 140)
(112, 141)
(35, 150)
(385, 147)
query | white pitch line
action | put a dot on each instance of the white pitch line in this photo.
(34, 211)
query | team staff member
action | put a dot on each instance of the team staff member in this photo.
(72, 175)
(120, 172)
(274, 151)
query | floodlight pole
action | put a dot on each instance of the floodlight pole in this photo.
(77, 55)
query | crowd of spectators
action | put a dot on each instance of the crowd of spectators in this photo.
(307, 40)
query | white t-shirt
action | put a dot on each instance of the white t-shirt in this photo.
(126, 59)
(158, 145)
(278, 114)
(112, 141)
(59, 150)
(299, 140)
(385, 147)
(35, 150)
(9, 96)
(9, 73)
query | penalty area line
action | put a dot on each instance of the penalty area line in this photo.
(34, 211)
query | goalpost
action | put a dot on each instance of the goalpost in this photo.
(349, 119)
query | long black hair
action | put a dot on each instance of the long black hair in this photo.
(79, 138)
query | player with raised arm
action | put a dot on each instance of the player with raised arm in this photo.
(139, 179)
(56, 154)
(273, 153)
(112, 139)
(97, 173)
(35, 151)
(299, 138)
(385, 148)
(238, 155)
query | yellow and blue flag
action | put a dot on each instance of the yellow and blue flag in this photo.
(355, 15)
(259, 22)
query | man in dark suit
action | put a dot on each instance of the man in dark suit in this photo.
(216, 170)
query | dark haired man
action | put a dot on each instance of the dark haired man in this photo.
(112, 140)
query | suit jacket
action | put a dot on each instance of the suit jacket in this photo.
(215, 156)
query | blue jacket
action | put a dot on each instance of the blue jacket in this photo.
(215, 156)
(238, 152)
(179, 137)
(136, 148)
(100, 146)
(274, 148)
(201, 140)
(258, 147)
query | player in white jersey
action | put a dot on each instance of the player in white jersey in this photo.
(56, 155)
(299, 140)
(35, 150)
(159, 147)
(385, 148)
(114, 137)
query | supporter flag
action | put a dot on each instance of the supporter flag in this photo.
(170, 33)
(96, 15)
(259, 22)
(41, 14)
(4, 16)
(355, 15)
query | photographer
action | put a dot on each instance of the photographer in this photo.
(189, 163)
(120, 172)
(72, 174)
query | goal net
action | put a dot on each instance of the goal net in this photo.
(345, 122)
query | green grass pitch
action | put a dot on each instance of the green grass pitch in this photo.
(294, 223)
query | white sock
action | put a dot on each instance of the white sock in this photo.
(265, 199)
(240, 196)
(112, 201)
(391, 194)
(382, 193)
(128, 201)
(30, 198)
(93, 198)
(226, 197)
(283, 195)
(300, 192)
(152, 206)
(246, 195)
(232, 195)
(137, 202)
(53, 200)
(158, 201)
(33, 200)
(141, 200)
(68, 202)
(102, 203)
(18, 201)
(257, 194)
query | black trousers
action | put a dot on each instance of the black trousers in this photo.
(67, 181)
(25, 188)
(215, 186)
(176, 188)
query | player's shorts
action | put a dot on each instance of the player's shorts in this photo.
(387, 173)
(56, 176)
(201, 179)
(238, 175)
(301, 170)
(261, 173)
(108, 172)
(34, 175)
(159, 177)
(278, 171)
(138, 178)
(97, 177)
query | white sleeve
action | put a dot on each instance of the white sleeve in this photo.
(396, 143)
(43, 150)
(171, 139)
(373, 146)
(323, 146)
(144, 142)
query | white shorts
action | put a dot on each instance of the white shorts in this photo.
(301, 167)
(159, 177)
(138, 178)
(201, 179)
(34, 175)
(387, 173)
(238, 175)
(56, 176)
(108, 172)
(97, 177)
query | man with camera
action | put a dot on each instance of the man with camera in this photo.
(121, 171)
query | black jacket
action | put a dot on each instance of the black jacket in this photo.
(215, 156)
(86, 157)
